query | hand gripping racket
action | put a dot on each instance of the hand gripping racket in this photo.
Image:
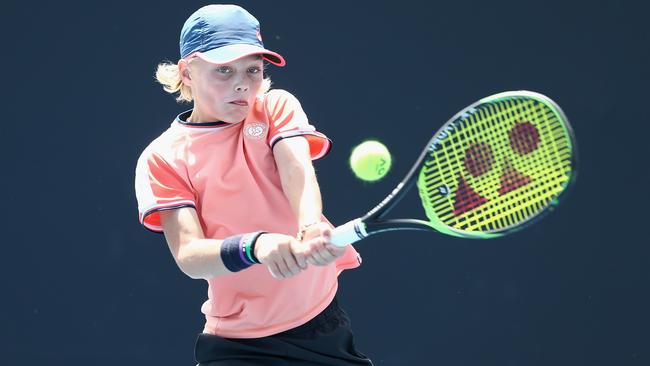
(492, 169)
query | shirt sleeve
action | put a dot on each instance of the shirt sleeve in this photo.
(159, 187)
(287, 119)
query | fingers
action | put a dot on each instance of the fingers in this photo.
(327, 233)
(299, 255)
(286, 265)
(286, 257)
(280, 269)
(291, 266)
(321, 252)
(317, 259)
(281, 259)
(319, 249)
(275, 270)
(336, 250)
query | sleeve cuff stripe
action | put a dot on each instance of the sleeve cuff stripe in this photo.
(327, 145)
(164, 207)
(153, 228)
(283, 135)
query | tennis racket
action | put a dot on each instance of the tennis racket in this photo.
(494, 168)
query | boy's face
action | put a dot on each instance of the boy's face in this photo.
(224, 92)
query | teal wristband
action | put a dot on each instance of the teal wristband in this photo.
(249, 245)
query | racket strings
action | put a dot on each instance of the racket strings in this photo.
(525, 197)
(500, 164)
(510, 176)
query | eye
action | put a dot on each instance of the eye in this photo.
(223, 69)
(254, 70)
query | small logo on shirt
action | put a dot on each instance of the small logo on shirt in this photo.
(255, 130)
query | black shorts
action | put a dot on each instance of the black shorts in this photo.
(325, 340)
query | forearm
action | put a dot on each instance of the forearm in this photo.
(201, 259)
(304, 195)
(204, 258)
(195, 255)
(301, 189)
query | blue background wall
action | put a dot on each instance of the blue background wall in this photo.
(83, 284)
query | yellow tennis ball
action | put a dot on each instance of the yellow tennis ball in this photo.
(370, 161)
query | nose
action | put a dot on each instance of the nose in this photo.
(241, 87)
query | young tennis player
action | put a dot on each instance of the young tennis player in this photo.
(231, 185)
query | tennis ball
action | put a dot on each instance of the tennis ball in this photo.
(370, 160)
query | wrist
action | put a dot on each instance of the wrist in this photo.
(237, 251)
(252, 255)
(303, 228)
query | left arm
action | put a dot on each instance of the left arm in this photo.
(299, 179)
(301, 189)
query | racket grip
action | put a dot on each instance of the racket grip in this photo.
(349, 233)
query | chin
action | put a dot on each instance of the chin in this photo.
(235, 117)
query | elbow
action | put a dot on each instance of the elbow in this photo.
(296, 173)
(296, 169)
(188, 267)
(192, 275)
(199, 265)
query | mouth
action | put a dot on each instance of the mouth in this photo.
(241, 103)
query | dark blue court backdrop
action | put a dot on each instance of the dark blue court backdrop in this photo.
(84, 284)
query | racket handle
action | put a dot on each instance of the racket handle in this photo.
(348, 233)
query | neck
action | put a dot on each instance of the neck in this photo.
(197, 117)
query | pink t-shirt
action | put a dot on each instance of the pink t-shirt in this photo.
(227, 172)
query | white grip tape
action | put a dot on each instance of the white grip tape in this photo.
(348, 233)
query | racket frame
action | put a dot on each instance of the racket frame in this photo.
(372, 222)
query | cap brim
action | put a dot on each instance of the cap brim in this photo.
(233, 52)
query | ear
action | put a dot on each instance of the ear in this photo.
(184, 70)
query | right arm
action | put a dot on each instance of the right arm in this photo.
(200, 258)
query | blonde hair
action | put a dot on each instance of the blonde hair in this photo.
(168, 74)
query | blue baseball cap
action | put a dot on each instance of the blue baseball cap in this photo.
(224, 33)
